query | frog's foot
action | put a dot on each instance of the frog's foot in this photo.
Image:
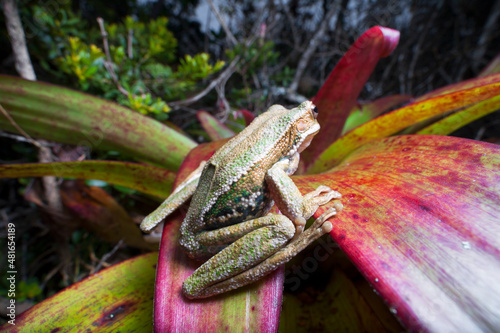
(322, 195)
(321, 225)
(319, 197)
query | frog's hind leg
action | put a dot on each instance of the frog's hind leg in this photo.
(272, 233)
(245, 276)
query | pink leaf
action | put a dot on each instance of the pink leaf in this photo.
(340, 92)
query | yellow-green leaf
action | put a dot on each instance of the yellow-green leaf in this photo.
(399, 119)
(119, 298)
(144, 178)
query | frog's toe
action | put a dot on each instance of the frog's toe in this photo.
(321, 221)
(323, 188)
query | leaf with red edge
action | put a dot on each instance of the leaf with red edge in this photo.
(421, 221)
(366, 111)
(118, 298)
(214, 128)
(399, 119)
(339, 93)
(259, 304)
(144, 178)
(101, 214)
(247, 115)
(463, 85)
(459, 119)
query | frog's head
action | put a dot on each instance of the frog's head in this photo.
(306, 126)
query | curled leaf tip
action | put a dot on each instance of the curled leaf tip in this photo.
(391, 40)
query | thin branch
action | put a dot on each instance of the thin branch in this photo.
(108, 255)
(18, 128)
(109, 63)
(489, 30)
(311, 48)
(223, 76)
(18, 40)
(295, 34)
(229, 34)
(130, 39)
(417, 49)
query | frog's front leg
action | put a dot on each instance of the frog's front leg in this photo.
(180, 195)
(288, 198)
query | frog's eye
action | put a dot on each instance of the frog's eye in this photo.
(315, 112)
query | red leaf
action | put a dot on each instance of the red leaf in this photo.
(397, 120)
(102, 214)
(249, 116)
(339, 93)
(421, 222)
(259, 303)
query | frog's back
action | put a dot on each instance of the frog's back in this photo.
(232, 187)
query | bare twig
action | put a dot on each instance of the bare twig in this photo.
(311, 48)
(130, 39)
(108, 255)
(18, 128)
(220, 89)
(109, 63)
(296, 42)
(490, 29)
(18, 40)
(221, 78)
(229, 34)
(417, 49)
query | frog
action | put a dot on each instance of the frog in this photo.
(228, 222)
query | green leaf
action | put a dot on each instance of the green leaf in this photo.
(144, 178)
(214, 128)
(341, 306)
(368, 110)
(117, 298)
(63, 115)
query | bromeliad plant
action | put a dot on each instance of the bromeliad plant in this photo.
(421, 216)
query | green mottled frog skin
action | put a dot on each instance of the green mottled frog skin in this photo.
(232, 194)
